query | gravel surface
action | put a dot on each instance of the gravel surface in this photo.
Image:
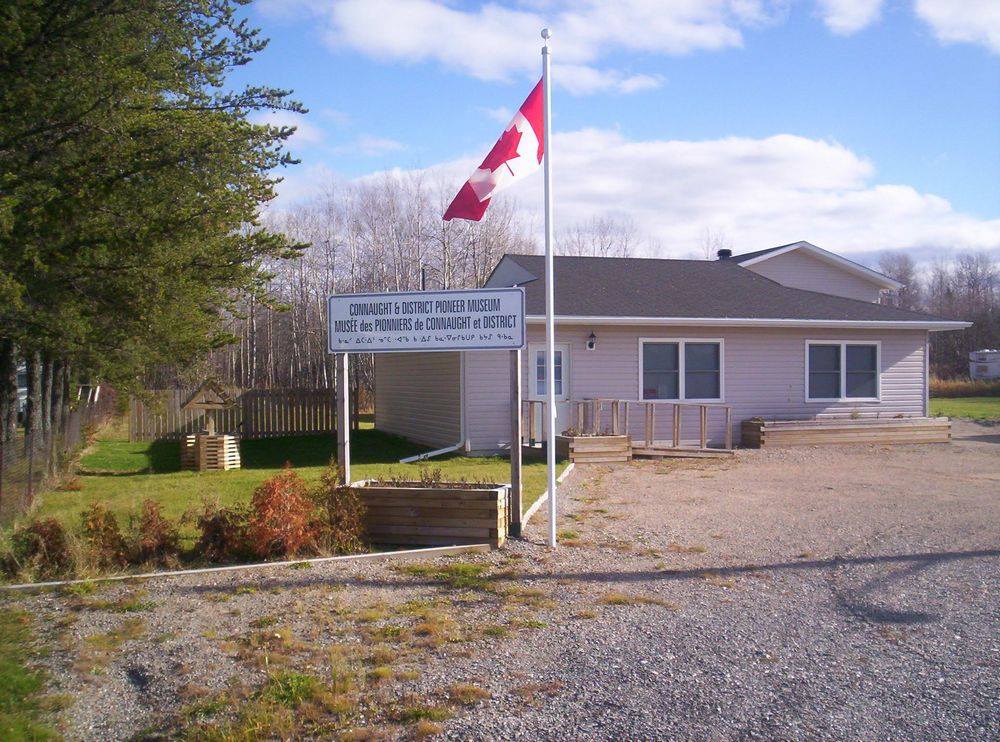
(846, 593)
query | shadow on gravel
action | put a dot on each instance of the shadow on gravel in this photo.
(851, 601)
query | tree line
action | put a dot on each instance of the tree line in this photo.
(131, 182)
(966, 288)
(376, 235)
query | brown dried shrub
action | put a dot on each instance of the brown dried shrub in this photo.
(224, 535)
(281, 517)
(156, 538)
(43, 547)
(101, 533)
(339, 523)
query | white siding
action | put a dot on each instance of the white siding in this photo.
(487, 399)
(801, 270)
(418, 396)
(764, 376)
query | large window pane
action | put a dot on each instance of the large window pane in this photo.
(862, 371)
(824, 371)
(660, 371)
(701, 371)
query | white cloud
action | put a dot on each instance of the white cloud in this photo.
(758, 192)
(374, 146)
(495, 42)
(848, 16)
(501, 114)
(500, 42)
(970, 21)
(306, 134)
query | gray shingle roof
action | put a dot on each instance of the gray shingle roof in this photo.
(718, 289)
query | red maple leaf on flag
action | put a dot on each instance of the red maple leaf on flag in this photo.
(503, 151)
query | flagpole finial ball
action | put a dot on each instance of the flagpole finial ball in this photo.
(546, 34)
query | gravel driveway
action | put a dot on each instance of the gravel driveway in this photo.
(847, 592)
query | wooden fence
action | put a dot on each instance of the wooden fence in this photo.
(258, 413)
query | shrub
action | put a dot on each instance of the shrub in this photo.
(281, 517)
(964, 388)
(44, 547)
(340, 515)
(156, 538)
(101, 532)
(223, 532)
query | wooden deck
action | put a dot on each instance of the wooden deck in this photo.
(590, 420)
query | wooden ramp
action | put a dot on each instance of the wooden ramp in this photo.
(670, 452)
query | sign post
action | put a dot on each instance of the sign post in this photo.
(429, 321)
(343, 419)
(515, 443)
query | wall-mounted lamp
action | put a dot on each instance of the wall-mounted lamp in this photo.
(592, 341)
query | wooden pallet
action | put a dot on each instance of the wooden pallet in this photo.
(210, 452)
(760, 434)
(594, 449)
(433, 516)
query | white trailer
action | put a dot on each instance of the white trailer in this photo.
(984, 364)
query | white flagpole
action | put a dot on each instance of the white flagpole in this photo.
(550, 330)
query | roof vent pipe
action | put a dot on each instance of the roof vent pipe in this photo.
(724, 254)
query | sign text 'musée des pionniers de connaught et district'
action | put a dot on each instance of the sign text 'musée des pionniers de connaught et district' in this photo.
(476, 319)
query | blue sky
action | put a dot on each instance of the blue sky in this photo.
(870, 124)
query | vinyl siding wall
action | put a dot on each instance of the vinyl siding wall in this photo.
(764, 375)
(803, 271)
(418, 396)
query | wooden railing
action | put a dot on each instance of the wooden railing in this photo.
(588, 417)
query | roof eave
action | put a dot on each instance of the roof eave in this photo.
(930, 325)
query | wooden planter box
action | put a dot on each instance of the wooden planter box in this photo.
(411, 514)
(593, 449)
(770, 433)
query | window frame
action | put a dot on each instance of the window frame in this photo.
(567, 365)
(682, 368)
(843, 370)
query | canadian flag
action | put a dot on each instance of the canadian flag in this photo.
(517, 154)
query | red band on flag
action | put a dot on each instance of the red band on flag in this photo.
(517, 153)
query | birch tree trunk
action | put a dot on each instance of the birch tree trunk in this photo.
(8, 389)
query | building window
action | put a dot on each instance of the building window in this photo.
(840, 371)
(686, 370)
(540, 391)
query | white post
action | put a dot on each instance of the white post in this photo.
(550, 330)
(343, 418)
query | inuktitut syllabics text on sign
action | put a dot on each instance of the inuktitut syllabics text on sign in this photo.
(477, 319)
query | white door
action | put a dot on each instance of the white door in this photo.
(536, 375)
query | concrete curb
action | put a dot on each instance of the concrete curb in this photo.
(544, 497)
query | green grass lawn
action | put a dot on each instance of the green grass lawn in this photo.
(121, 475)
(975, 408)
(21, 687)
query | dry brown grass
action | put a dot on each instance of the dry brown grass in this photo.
(534, 693)
(467, 694)
(681, 549)
(616, 598)
(718, 580)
